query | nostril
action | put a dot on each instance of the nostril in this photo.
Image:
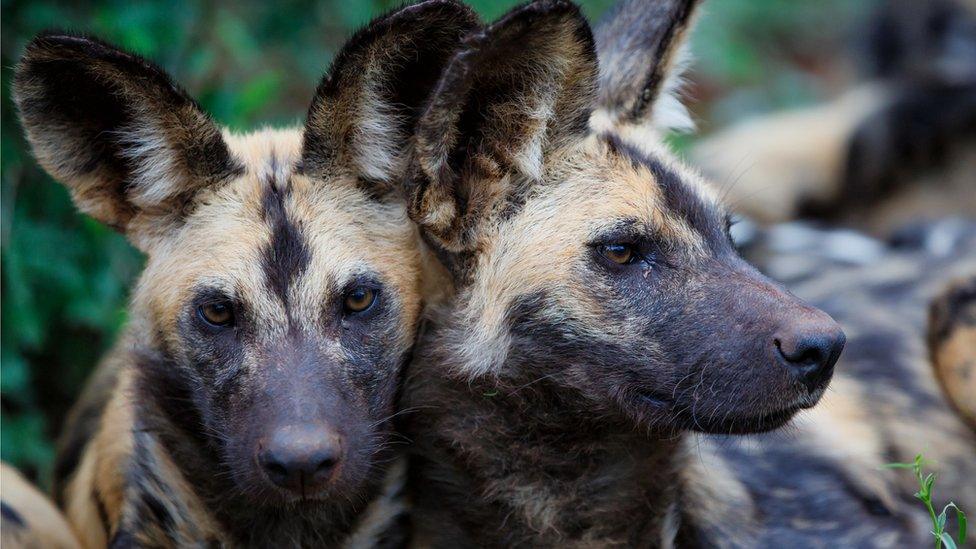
(325, 465)
(808, 357)
(801, 352)
(276, 470)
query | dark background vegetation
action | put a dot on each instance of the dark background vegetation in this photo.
(65, 278)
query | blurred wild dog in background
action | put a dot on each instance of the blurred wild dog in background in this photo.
(249, 400)
(600, 310)
(898, 147)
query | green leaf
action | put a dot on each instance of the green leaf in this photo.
(948, 542)
(960, 521)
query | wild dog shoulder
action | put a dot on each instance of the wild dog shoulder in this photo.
(29, 519)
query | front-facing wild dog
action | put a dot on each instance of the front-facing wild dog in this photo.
(249, 399)
(600, 309)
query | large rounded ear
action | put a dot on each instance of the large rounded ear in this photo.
(641, 48)
(365, 108)
(131, 145)
(514, 94)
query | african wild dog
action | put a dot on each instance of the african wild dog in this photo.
(898, 146)
(600, 309)
(28, 519)
(249, 400)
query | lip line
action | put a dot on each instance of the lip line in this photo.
(657, 401)
(777, 416)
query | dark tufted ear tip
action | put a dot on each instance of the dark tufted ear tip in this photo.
(91, 111)
(512, 94)
(379, 82)
(639, 44)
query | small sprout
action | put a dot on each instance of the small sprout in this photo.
(491, 393)
(925, 484)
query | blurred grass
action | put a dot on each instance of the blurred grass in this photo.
(65, 278)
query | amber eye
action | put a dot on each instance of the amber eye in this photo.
(620, 254)
(360, 299)
(217, 314)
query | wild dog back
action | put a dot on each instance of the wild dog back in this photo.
(250, 397)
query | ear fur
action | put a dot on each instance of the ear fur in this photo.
(116, 130)
(365, 108)
(515, 93)
(641, 49)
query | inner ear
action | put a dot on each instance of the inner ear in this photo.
(640, 45)
(514, 94)
(365, 108)
(115, 129)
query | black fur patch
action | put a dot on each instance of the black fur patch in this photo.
(287, 255)
(69, 455)
(159, 513)
(102, 512)
(955, 308)
(10, 516)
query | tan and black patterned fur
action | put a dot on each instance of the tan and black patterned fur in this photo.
(28, 518)
(169, 445)
(561, 399)
(898, 146)
(952, 344)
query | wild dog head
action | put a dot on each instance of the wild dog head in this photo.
(281, 292)
(589, 260)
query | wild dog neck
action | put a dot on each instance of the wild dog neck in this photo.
(520, 452)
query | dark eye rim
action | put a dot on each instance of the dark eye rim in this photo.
(634, 254)
(232, 320)
(638, 255)
(376, 291)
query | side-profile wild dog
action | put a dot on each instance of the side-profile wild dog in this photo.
(249, 401)
(600, 310)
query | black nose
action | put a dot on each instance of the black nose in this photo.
(811, 349)
(301, 458)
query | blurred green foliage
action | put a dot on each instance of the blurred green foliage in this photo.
(65, 278)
